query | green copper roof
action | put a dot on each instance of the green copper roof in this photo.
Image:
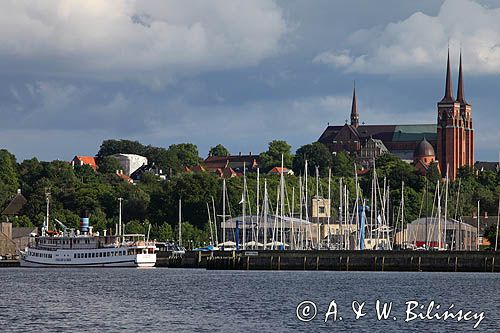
(415, 132)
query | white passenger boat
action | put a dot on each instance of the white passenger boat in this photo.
(87, 250)
(84, 248)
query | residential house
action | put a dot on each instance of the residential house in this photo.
(280, 170)
(84, 160)
(235, 162)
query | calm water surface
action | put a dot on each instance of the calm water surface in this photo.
(182, 300)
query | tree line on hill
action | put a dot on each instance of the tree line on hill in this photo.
(80, 191)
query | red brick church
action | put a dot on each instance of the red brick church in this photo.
(450, 142)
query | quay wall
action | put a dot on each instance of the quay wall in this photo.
(426, 261)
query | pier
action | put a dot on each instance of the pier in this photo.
(407, 261)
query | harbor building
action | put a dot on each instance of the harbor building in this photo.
(437, 233)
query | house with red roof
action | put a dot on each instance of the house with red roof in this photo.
(84, 160)
(280, 170)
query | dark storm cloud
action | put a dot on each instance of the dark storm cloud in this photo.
(164, 72)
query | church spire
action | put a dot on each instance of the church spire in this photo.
(460, 91)
(448, 95)
(354, 109)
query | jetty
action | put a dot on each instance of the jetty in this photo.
(324, 260)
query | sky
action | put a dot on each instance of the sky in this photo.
(239, 73)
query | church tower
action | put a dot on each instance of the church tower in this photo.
(354, 110)
(455, 138)
(466, 118)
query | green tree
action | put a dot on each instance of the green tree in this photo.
(433, 174)
(186, 153)
(342, 165)
(316, 154)
(192, 237)
(163, 158)
(165, 232)
(108, 164)
(111, 147)
(9, 182)
(272, 157)
(218, 150)
(396, 171)
(135, 227)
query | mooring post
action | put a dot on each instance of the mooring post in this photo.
(347, 264)
(317, 263)
(279, 263)
(248, 263)
(456, 264)
(383, 263)
(305, 262)
(271, 263)
(419, 262)
(493, 264)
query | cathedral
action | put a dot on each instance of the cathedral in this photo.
(450, 141)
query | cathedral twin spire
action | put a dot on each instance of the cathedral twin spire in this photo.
(448, 95)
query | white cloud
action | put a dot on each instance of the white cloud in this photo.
(337, 59)
(146, 40)
(418, 43)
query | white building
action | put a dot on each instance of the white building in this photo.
(130, 162)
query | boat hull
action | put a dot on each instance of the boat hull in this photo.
(139, 261)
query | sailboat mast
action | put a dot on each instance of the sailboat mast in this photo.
(340, 214)
(358, 225)
(210, 224)
(223, 212)
(244, 204)
(306, 203)
(292, 230)
(426, 211)
(47, 212)
(266, 210)
(446, 206)
(215, 222)
(403, 213)
(282, 203)
(477, 234)
(317, 208)
(257, 207)
(329, 206)
(301, 225)
(120, 219)
(498, 225)
(180, 222)
(439, 214)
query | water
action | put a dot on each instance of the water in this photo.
(183, 300)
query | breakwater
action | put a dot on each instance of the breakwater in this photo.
(425, 261)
